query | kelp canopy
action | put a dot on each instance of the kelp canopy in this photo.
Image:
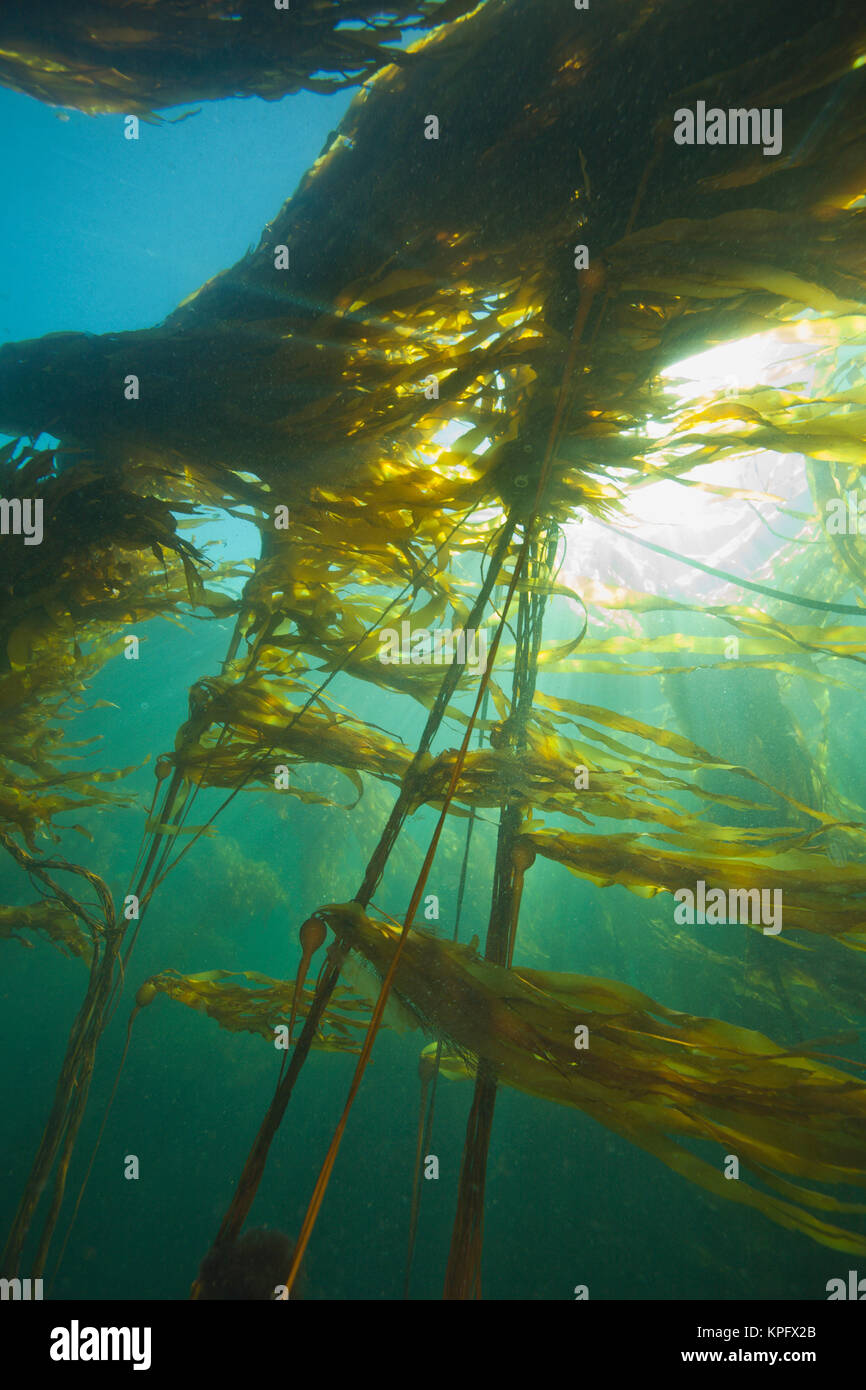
(142, 55)
(272, 368)
(310, 389)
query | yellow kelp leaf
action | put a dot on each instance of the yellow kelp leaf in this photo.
(259, 1005)
(452, 1064)
(654, 1075)
(817, 896)
(52, 920)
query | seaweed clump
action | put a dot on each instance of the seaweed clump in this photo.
(251, 1267)
(142, 55)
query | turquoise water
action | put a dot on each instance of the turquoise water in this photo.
(568, 1202)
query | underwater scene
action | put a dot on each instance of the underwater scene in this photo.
(432, 567)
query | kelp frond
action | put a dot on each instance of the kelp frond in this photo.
(660, 1078)
(143, 55)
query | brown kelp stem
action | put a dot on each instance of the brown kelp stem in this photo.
(463, 1275)
(75, 1073)
(459, 762)
(429, 1081)
(593, 282)
(379, 857)
(74, 1079)
(430, 1077)
(73, 1083)
(144, 996)
(261, 641)
(70, 1097)
(254, 1167)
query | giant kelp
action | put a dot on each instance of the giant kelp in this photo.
(275, 368)
(254, 1003)
(650, 1073)
(140, 56)
(111, 556)
(303, 377)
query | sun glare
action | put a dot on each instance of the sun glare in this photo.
(720, 512)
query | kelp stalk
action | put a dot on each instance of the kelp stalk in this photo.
(254, 1167)
(463, 1275)
(73, 1082)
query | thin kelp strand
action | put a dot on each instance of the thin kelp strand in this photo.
(313, 698)
(849, 608)
(144, 997)
(250, 1178)
(425, 1120)
(331, 1156)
